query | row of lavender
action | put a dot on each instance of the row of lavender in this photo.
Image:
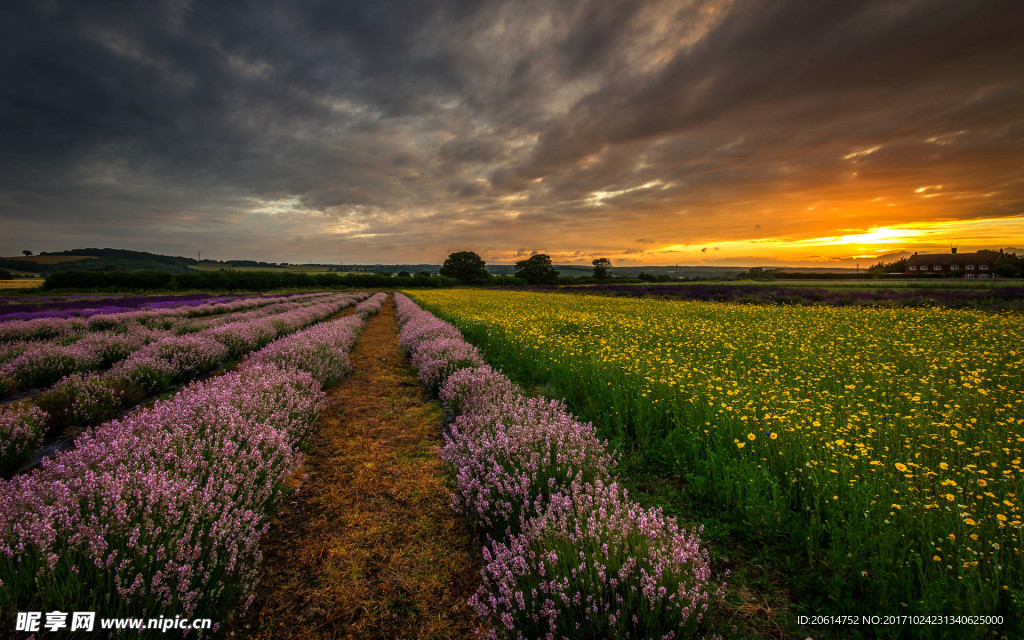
(161, 513)
(567, 553)
(86, 399)
(29, 307)
(34, 363)
(60, 327)
(17, 338)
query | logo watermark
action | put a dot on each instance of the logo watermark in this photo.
(35, 621)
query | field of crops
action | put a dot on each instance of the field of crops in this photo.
(885, 443)
(23, 283)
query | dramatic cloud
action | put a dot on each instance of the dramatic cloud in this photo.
(399, 131)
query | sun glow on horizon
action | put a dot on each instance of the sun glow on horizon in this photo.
(875, 242)
(842, 250)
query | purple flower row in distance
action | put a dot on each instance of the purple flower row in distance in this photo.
(25, 308)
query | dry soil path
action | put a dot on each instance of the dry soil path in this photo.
(367, 546)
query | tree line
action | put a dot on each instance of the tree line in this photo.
(469, 268)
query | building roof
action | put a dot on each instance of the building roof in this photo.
(953, 258)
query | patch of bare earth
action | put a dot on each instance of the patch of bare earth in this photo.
(368, 546)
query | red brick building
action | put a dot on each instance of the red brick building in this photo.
(963, 265)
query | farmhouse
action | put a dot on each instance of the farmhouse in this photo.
(966, 265)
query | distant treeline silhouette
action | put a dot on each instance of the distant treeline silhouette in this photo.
(233, 280)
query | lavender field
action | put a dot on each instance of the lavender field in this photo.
(60, 371)
(160, 511)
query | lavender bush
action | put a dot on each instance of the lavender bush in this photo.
(171, 360)
(11, 351)
(473, 388)
(371, 306)
(596, 565)
(43, 364)
(21, 433)
(330, 343)
(438, 358)
(424, 326)
(40, 329)
(84, 399)
(511, 457)
(241, 337)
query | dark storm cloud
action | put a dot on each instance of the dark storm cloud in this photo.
(377, 130)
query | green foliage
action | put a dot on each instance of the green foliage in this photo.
(899, 266)
(508, 281)
(6, 275)
(601, 267)
(1006, 270)
(650, 277)
(537, 270)
(756, 273)
(146, 279)
(466, 267)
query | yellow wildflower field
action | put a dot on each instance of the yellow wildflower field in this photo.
(889, 439)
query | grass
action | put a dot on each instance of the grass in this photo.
(879, 446)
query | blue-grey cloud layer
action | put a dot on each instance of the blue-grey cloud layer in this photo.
(391, 130)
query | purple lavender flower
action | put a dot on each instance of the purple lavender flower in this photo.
(510, 457)
(21, 433)
(596, 565)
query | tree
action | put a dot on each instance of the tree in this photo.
(404, 274)
(756, 273)
(466, 267)
(601, 267)
(537, 270)
(1006, 270)
(899, 266)
(27, 252)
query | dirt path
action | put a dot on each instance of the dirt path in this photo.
(368, 546)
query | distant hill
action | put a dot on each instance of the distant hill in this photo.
(98, 259)
(93, 259)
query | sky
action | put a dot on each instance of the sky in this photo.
(726, 132)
